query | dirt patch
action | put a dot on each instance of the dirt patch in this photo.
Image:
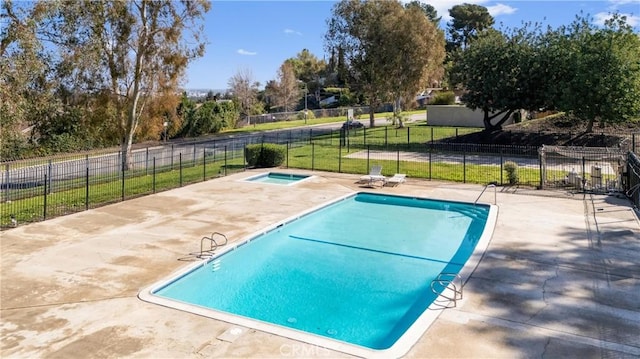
(559, 130)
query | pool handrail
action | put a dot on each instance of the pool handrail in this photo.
(213, 244)
(495, 193)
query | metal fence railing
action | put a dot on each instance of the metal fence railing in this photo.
(633, 179)
(39, 189)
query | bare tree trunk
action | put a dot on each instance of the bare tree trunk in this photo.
(372, 118)
(488, 126)
(590, 125)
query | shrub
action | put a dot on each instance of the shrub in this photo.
(310, 115)
(512, 171)
(265, 155)
(444, 98)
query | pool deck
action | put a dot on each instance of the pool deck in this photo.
(560, 278)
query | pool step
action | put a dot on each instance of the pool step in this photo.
(473, 213)
(448, 287)
(216, 240)
(215, 264)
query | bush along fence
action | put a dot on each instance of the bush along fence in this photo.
(42, 189)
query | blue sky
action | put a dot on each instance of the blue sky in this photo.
(258, 36)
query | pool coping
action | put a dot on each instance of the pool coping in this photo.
(402, 345)
(545, 285)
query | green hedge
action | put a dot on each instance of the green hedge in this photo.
(265, 155)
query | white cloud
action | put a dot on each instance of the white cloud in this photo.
(501, 9)
(616, 3)
(601, 17)
(292, 32)
(245, 52)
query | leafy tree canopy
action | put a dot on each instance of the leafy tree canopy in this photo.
(596, 69)
(389, 51)
(427, 9)
(467, 21)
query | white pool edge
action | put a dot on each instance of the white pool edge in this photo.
(261, 174)
(398, 349)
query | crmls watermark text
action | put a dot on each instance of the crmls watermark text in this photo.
(303, 350)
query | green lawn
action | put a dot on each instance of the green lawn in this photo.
(323, 153)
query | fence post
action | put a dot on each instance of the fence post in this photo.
(397, 159)
(584, 178)
(432, 135)
(287, 155)
(245, 164)
(44, 210)
(408, 135)
(122, 176)
(172, 156)
(204, 164)
(6, 182)
(146, 162)
(364, 136)
(464, 165)
(313, 155)
(368, 156)
(430, 150)
(501, 167)
(339, 158)
(542, 174)
(180, 167)
(310, 135)
(154, 174)
(86, 192)
(49, 172)
(225, 160)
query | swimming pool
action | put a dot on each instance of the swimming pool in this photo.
(277, 178)
(353, 275)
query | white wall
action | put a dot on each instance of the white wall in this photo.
(455, 115)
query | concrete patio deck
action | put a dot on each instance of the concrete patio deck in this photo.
(560, 278)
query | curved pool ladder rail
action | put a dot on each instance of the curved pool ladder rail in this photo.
(448, 291)
(495, 193)
(213, 244)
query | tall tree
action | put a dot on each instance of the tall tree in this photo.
(467, 20)
(130, 50)
(430, 12)
(409, 73)
(390, 51)
(597, 69)
(28, 83)
(244, 88)
(501, 73)
(309, 69)
(287, 89)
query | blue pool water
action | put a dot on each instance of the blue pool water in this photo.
(277, 178)
(357, 271)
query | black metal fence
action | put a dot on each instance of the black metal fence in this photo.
(633, 178)
(40, 189)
